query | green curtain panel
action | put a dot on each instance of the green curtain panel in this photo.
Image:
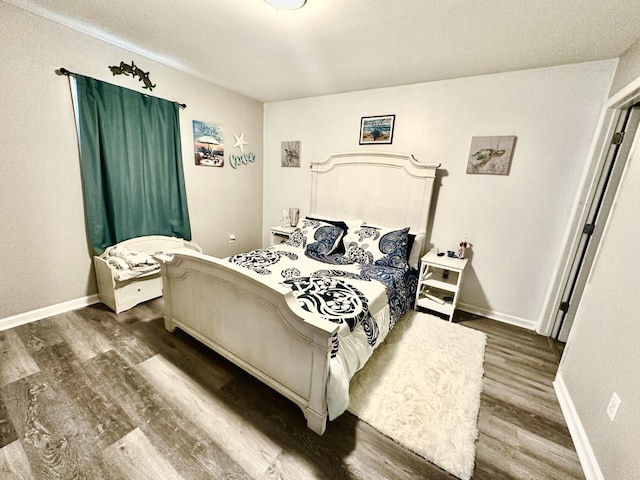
(131, 164)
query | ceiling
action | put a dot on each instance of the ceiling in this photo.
(336, 46)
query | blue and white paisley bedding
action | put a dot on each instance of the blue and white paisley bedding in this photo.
(365, 301)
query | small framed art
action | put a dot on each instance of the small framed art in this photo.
(377, 129)
(290, 154)
(491, 155)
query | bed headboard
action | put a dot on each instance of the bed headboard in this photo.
(390, 189)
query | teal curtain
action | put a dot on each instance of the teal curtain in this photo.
(131, 164)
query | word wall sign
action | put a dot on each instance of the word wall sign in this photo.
(244, 158)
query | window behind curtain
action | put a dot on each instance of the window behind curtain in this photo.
(131, 164)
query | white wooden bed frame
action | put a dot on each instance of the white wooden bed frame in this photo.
(267, 334)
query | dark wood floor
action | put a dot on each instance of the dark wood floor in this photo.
(92, 395)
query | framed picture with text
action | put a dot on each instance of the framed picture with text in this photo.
(208, 144)
(377, 129)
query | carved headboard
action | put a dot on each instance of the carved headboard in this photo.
(390, 189)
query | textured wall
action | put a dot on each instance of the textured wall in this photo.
(628, 68)
(516, 223)
(602, 353)
(44, 255)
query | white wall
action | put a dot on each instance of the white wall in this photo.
(628, 68)
(602, 355)
(44, 254)
(516, 222)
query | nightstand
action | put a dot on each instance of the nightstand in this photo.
(280, 234)
(439, 283)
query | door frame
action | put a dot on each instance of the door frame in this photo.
(614, 108)
(599, 211)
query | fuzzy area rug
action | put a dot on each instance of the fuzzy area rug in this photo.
(422, 388)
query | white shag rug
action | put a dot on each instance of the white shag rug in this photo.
(422, 388)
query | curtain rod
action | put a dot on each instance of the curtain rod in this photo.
(68, 73)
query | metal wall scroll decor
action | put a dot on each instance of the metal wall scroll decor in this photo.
(134, 71)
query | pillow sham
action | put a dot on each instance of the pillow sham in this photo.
(345, 225)
(339, 248)
(382, 246)
(324, 237)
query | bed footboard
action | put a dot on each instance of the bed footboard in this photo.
(253, 325)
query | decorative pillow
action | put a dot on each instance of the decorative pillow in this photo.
(380, 245)
(321, 236)
(338, 223)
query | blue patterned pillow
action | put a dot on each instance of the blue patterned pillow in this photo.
(317, 235)
(338, 223)
(378, 245)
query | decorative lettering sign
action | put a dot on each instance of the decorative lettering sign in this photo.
(244, 158)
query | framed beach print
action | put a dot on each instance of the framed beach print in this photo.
(208, 144)
(491, 155)
(377, 129)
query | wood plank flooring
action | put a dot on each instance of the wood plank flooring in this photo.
(93, 395)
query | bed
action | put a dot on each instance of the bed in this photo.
(288, 313)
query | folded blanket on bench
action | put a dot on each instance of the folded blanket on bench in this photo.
(127, 263)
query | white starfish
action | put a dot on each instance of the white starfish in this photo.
(240, 142)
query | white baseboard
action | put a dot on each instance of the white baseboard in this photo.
(40, 313)
(501, 317)
(585, 453)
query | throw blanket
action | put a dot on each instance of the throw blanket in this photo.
(127, 263)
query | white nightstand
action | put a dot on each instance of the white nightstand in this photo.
(439, 283)
(280, 234)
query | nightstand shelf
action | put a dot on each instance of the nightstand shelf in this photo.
(280, 234)
(439, 283)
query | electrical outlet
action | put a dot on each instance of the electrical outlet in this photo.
(232, 238)
(614, 405)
